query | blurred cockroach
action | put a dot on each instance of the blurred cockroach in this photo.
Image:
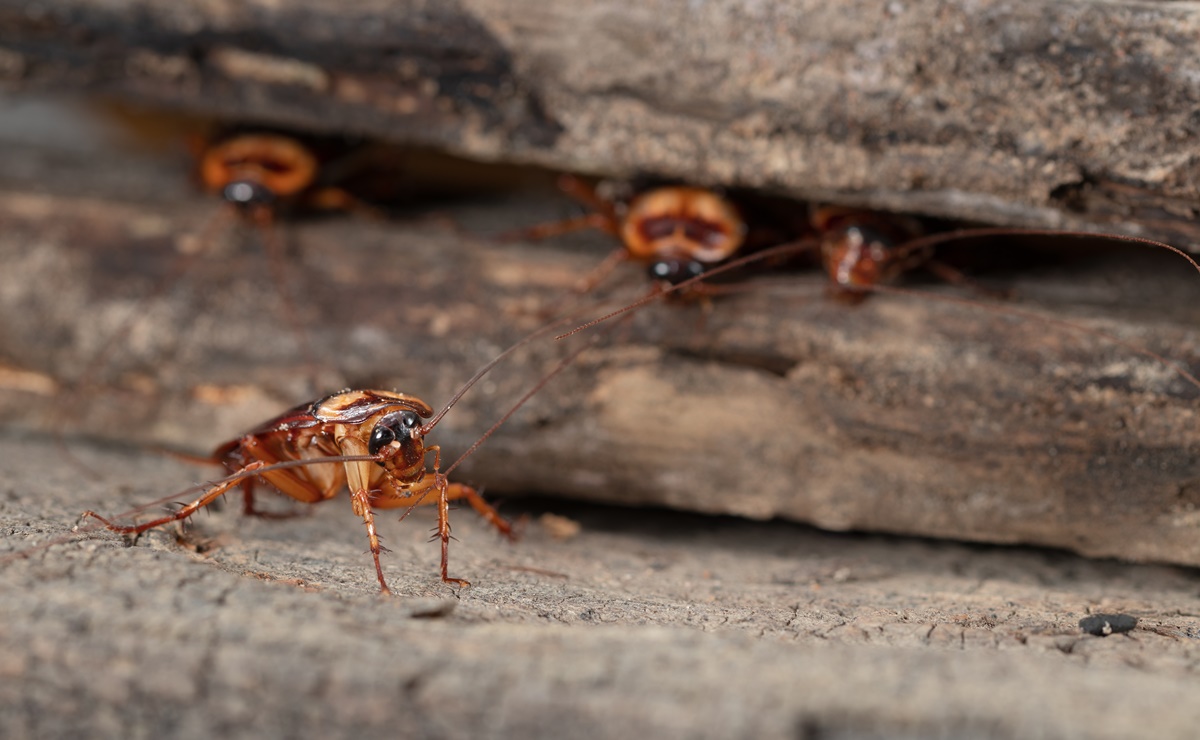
(860, 249)
(262, 173)
(678, 232)
(262, 176)
(874, 282)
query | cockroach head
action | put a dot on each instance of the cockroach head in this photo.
(675, 270)
(398, 429)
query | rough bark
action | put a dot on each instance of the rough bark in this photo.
(1057, 114)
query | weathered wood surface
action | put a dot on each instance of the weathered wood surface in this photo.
(644, 624)
(902, 415)
(1060, 114)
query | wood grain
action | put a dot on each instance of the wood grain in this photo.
(1062, 114)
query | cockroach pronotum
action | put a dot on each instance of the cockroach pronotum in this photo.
(262, 172)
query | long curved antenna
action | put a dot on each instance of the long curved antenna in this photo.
(546, 329)
(912, 245)
(932, 240)
(1002, 309)
(795, 247)
(562, 364)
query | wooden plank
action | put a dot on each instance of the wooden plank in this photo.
(1064, 114)
(904, 415)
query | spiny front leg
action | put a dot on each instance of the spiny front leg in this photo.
(362, 507)
(358, 480)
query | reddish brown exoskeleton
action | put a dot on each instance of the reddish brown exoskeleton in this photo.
(871, 279)
(387, 428)
(371, 442)
(860, 249)
(678, 232)
(262, 172)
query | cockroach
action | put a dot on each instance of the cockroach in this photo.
(677, 232)
(920, 244)
(682, 232)
(261, 173)
(369, 441)
(861, 248)
(387, 429)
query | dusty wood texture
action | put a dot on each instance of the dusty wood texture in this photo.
(643, 624)
(903, 415)
(1060, 114)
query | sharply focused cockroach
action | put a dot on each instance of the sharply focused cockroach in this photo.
(387, 428)
(371, 442)
(678, 232)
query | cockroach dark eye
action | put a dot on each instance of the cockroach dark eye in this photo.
(245, 194)
(381, 437)
(676, 271)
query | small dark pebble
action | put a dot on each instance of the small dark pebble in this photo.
(1103, 625)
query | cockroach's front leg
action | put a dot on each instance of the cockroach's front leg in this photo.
(358, 480)
(209, 496)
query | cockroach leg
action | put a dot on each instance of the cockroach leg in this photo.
(207, 498)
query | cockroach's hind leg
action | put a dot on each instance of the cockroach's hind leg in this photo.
(455, 491)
